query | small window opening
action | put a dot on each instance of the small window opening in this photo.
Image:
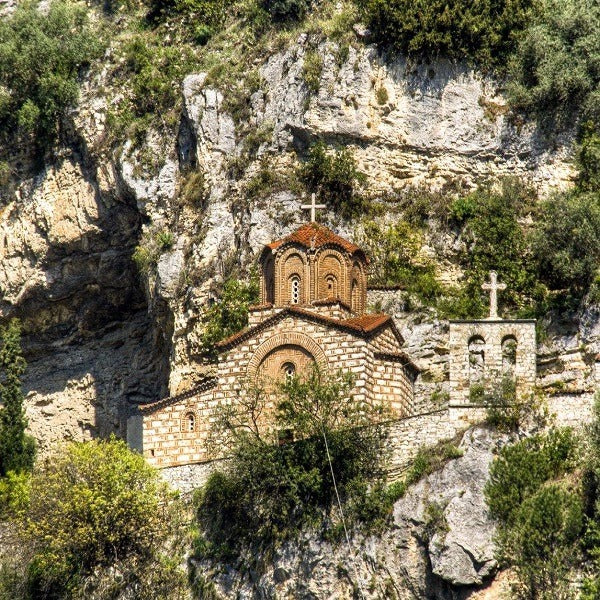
(295, 291)
(289, 371)
(189, 423)
(331, 287)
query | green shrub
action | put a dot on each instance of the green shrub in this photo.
(209, 12)
(230, 314)
(17, 449)
(152, 244)
(97, 509)
(14, 495)
(165, 240)
(268, 491)
(312, 68)
(194, 190)
(539, 505)
(504, 409)
(41, 54)
(521, 469)
(286, 10)
(494, 240)
(335, 177)
(394, 253)
(542, 543)
(484, 31)
(554, 71)
(589, 159)
(566, 241)
(149, 72)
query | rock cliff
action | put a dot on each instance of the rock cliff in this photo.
(440, 546)
(99, 333)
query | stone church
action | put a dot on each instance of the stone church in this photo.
(313, 297)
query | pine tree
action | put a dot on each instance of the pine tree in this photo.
(17, 449)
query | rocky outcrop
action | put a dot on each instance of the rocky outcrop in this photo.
(66, 271)
(100, 333)
(439, 545)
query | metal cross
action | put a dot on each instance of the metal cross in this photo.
(493, 286)
(313, 206)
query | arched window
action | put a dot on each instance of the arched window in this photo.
(509, 355)
(188, 424)
(289, 370)
(355, 295)
(476, 358)
(295, 289)
(331, 283)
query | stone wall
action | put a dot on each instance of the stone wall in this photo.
(168, 440)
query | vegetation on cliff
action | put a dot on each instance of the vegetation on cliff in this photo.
(95, 521)
(17, 449)
(544, 492)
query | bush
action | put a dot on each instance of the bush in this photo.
(522, 468)
(483, 31)
(554, 71)
(17, 449)
(208, 12)
(494, 240)
(312, 68)
(394, 259)
(542, 543)
(100, 519)
(230, 314)
(286, 10)
(335, 177)
(504, 409)
(268, 491)
(14, 495)
(566, 241)
(540, 509)
(41, 53)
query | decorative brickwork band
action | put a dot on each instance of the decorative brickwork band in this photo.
(286, 338)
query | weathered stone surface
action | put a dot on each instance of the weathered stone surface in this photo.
(462, 550)
(405, 562)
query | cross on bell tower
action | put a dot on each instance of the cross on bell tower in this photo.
(493, 287)
(313, 206)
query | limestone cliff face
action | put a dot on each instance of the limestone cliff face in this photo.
(100, 334)
(439, 546)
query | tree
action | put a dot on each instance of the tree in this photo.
(335, 177)
(41, 53)
(268, 491)
(100, 524)
(566, 241)
(230, 314)
(17, 449)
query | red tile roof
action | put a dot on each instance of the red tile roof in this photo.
(362, 326)
(206, 384)
(315, 235)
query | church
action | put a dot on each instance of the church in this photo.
(312, 310)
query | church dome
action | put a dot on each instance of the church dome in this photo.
(313, 264)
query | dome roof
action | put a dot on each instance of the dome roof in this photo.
(315, 235)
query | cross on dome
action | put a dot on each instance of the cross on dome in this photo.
(493, 287)
(313, 206)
